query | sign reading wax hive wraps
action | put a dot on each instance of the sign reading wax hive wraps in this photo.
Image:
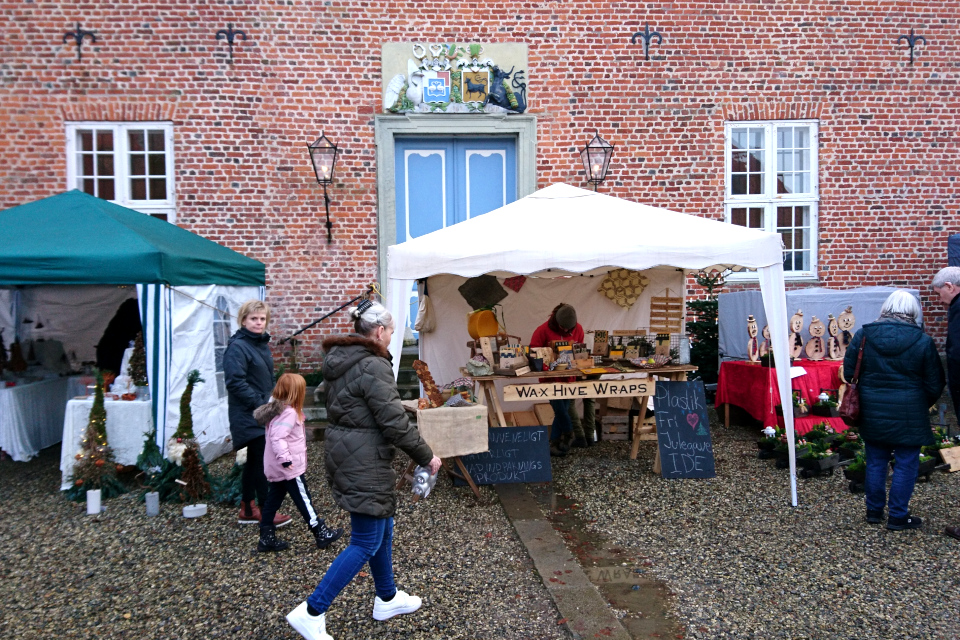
(516, 455)
(683, 430)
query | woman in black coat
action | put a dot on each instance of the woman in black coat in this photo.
(900, 378)
(248, 374)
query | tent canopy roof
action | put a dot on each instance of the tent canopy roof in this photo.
(561, 228)
(76, 238)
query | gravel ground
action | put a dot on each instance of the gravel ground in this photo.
(64, 574)
(740, 560)
(743, 563)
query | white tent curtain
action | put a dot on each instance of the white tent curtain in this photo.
(156, 308)
(566, 229)
(178, 338)
(775, 306)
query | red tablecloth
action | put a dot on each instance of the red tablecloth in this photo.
(754, 387)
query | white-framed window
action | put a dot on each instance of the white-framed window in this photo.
(221, 338)
(771, 175)
(129, 163)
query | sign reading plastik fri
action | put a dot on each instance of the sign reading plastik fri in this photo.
(683, 430)
(573, 390)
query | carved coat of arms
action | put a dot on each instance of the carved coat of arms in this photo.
(455, 79)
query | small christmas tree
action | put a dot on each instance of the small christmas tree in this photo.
(150, 460)
(95, 467)
(704, 333)
(183, 473)
(137, 367)
(185, 426)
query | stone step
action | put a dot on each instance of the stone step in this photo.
(315, 413)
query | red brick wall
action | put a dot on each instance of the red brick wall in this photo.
(888, 148)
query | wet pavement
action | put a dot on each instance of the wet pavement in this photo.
(601, 590)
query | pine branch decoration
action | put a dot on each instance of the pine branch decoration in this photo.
(193, 474)
(185, 427)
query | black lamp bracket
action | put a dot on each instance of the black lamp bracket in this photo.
(326, 206)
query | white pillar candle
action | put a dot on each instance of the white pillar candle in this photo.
(153, 504)
(93, 502)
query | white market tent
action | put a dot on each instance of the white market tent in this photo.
(561, 234)
(76, 258)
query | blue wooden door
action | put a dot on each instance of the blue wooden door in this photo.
(443, 181)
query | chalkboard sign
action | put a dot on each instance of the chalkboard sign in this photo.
(516, 455)
(683, 430)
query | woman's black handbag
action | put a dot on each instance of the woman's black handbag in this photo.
(850, 406)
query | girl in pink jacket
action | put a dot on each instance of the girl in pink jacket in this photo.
(285, 463)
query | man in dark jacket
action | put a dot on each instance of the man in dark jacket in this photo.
(248, 374)
(947, 284)
(899, 378)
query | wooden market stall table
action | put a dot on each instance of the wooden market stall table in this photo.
(128, 421)
(753, 387)
(602, 387)
(31, 416)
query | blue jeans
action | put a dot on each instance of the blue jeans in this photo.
(371, 540)
(904, 478)
(561, 418)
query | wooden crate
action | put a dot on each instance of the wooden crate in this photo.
(525, 419)
(615, 427)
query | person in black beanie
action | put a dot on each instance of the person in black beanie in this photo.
(248, 373)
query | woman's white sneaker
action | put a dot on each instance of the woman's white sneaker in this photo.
(308, 626)
(401, 603)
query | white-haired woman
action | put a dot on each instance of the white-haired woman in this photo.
(367, 424)
(900, 377)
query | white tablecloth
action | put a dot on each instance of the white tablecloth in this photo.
(128, 421)
(31, 417)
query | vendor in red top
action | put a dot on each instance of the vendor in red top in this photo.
(562, 325)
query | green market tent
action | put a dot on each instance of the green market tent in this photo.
(75, 238)
(66, 259)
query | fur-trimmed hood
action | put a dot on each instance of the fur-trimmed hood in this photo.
(344, 351)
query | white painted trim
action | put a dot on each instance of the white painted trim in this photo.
(121, 159)
(424, 153)
(486, 153)
(388, 126)
(770, 199)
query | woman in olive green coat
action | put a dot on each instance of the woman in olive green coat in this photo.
(367, 424)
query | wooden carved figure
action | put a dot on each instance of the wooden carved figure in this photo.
(753, 349)
(796, 342)
(833, 342)
(815, 347)
(845, 323)
(765, 345)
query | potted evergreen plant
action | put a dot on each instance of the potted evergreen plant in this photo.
(856, 472)
(768, 442)
(826, 405)
(818, 459)
(850, 446)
